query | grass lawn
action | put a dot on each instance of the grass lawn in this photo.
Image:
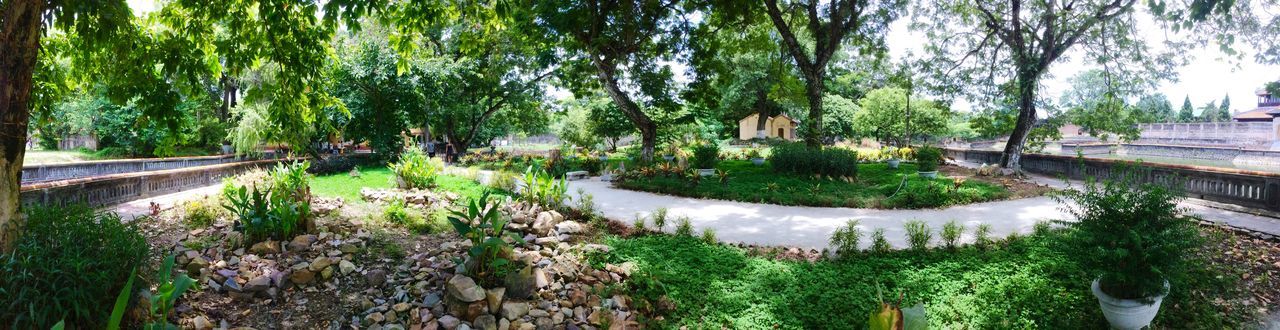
(875, 187)
(42, 157)
(1030, 282)
(347, 187)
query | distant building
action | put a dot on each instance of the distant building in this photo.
(779, 126)
(1267, 110)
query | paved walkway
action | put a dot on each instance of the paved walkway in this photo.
(801, 226)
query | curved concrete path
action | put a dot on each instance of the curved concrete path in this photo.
(804, 226)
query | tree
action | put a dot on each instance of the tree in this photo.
(606, 122)
(981, 44)
(1186, 114)
(623, 44)
(883, 114)
(840, 119)
(377, 95)
(1209, 112)
(1096, 102)
(829, 24)
(1224, 109)
(1156, 109)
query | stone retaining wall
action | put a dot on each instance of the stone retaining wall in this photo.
(1252, 189)
(1087, 149)
(1222, 133)
(55, 172)
(119, 188)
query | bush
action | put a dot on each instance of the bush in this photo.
(918, 234)
(416, 170)
(396, 213)
(684, 227)
(951, 232)
(709, 235)
(490, 257)
(928, 158)
(706, 155)
(982, 236)
(543, 189)
(845, 239)
(878, 243)
(592, 165)
(503, 181)
(200, 213)
(638, 224)
(69, 264)
(1133, 233)
(660, 218)
(265, 215)
(801, 159)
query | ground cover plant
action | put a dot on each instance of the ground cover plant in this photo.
(877, 186)
(1026, 282)
(348, 187)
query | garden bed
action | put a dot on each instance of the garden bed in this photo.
(876, 186)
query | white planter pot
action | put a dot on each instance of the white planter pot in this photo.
(226, 149)
(706, 171)
(893, 163)
(1125, 314)
(757, 161)
(929, 174)
(604, 158)
(668, 157)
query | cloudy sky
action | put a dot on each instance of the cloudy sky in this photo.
(1206, 79)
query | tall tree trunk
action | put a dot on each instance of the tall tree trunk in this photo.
(19, 46)
(1012, 158)
(648, 129)
(762, 111)
(813, 87)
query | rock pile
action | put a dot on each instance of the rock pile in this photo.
(413, 197)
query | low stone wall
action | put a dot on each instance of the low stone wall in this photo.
(1252, 189)
(119, 188)
(1219, 133)
(1087, 149)
(55, 172)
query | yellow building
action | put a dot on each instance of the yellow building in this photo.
(779, 126)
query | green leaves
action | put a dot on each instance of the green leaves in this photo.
(167, 292)
(485, 226)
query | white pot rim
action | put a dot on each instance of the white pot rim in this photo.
(1109, 300)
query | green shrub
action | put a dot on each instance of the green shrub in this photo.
(543, 189)
(709, 235)
(928, 158)
(801, 159)
(879, 244)
(266, 215)
(200, 213)
(416, 170)
(503, 181)
(684, 227)
(951, 232)
(918, 234)
(396, 213)
(69, 264)
(490, 256)
(982, 236)
(1133, 233)
(846, 238)
(638, 224)
(706, 155)
(592, 165)
(659, 218)
(586, 204)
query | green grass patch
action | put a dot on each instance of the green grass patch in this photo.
(877, 186)
(347, 187)
(1030, 282)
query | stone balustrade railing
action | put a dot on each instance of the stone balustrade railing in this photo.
(55, 172)
(1246, 188)
(119, 188)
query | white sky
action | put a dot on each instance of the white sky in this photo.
(1208, 78)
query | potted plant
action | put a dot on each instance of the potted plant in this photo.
(754, 155)
(226, 147)
(705, 157)
(928, 158)
(1135, 236)
(893, 160)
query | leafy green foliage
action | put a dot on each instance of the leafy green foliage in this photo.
(883, 115)
(415, 170)
(396, 213)
(69, 263)
(1133, 233)
(950, 234)
(200, 213)
(379, 98)
(846, 238)
(918, 234)
(543, 189)
(709, 235)
(262, 216)
(706, 155)
(880, 244)
(684, 227)
(875, 187)
(982, 236)
(489, 259)
(659, 217)
(800, 159)
(168, 289)
(928, 158)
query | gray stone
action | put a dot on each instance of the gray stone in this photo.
(346, 267)
(538, 313)
(376, 277)
(301, 243)
(486, 322)
(431, 300)
(265, 248)
(540, 278)
(320, 263)
(448, 322)
(257, 284)
(514, 310)
(464, 289)
(494, 297)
